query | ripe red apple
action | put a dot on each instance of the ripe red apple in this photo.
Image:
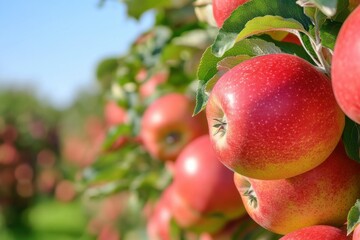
(273, 117)
(148, 86)
(345, 69)
(318, 232)
(114, 114)
(222, 9)
(167, 126)
(321, 196)
(356, 233)
(8, 154)
(158, 225)
(204, 184)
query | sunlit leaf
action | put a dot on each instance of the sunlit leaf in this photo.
(250, 10)
(353, 218)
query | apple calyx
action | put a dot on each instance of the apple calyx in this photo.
(220, 126)
(251, 195)
(173, 138)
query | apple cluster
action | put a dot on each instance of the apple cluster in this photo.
(264, 146)
(277, 122)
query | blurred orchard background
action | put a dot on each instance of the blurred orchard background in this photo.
(52, 122)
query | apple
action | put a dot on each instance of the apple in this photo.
(345, 68)
(158, 224)
(148, 86)
(356, 233)
(167, 125)
(318, 232)
(190, 219)
(114, 114)
(273, 117)
(8, 154)
(204, 184)
(321, 196)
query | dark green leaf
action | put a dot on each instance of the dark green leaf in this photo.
(351, 139)
(251, 47)
(353, 218)
(255, 8)
(328, 34)
(201, 98)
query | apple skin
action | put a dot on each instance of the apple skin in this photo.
(148, 86)
(168, 125)
(222, 9)
(345, 68)
(158, 224)
(356, 233)
(279, 117)
(114, 114)
(318, 232)
(204, 184)
(321, 196)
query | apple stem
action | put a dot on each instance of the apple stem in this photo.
(221, 127)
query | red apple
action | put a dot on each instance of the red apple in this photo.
(204, 184)
(167, 126)
(222, 9)
(321, 196)
(345, 69)
(318, 232)
(273, 117)
(148, 86)
(158, 227)
(356, 233)
(8, 154)
(114, 114)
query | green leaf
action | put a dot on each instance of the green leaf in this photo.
(229, 62)
(328, 7)
(201, 98)
(351, 139)
(251, 9)
(268, 23)
(251, 47)
(114, 134)
(353, 218)
(328, 34)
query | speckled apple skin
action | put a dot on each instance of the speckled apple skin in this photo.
(205, 184)
(321, 196)
(319, 232)
(345, 69)
(171, 113)
(282, 117)
(356, 233)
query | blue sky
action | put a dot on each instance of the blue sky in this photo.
(53, 47)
